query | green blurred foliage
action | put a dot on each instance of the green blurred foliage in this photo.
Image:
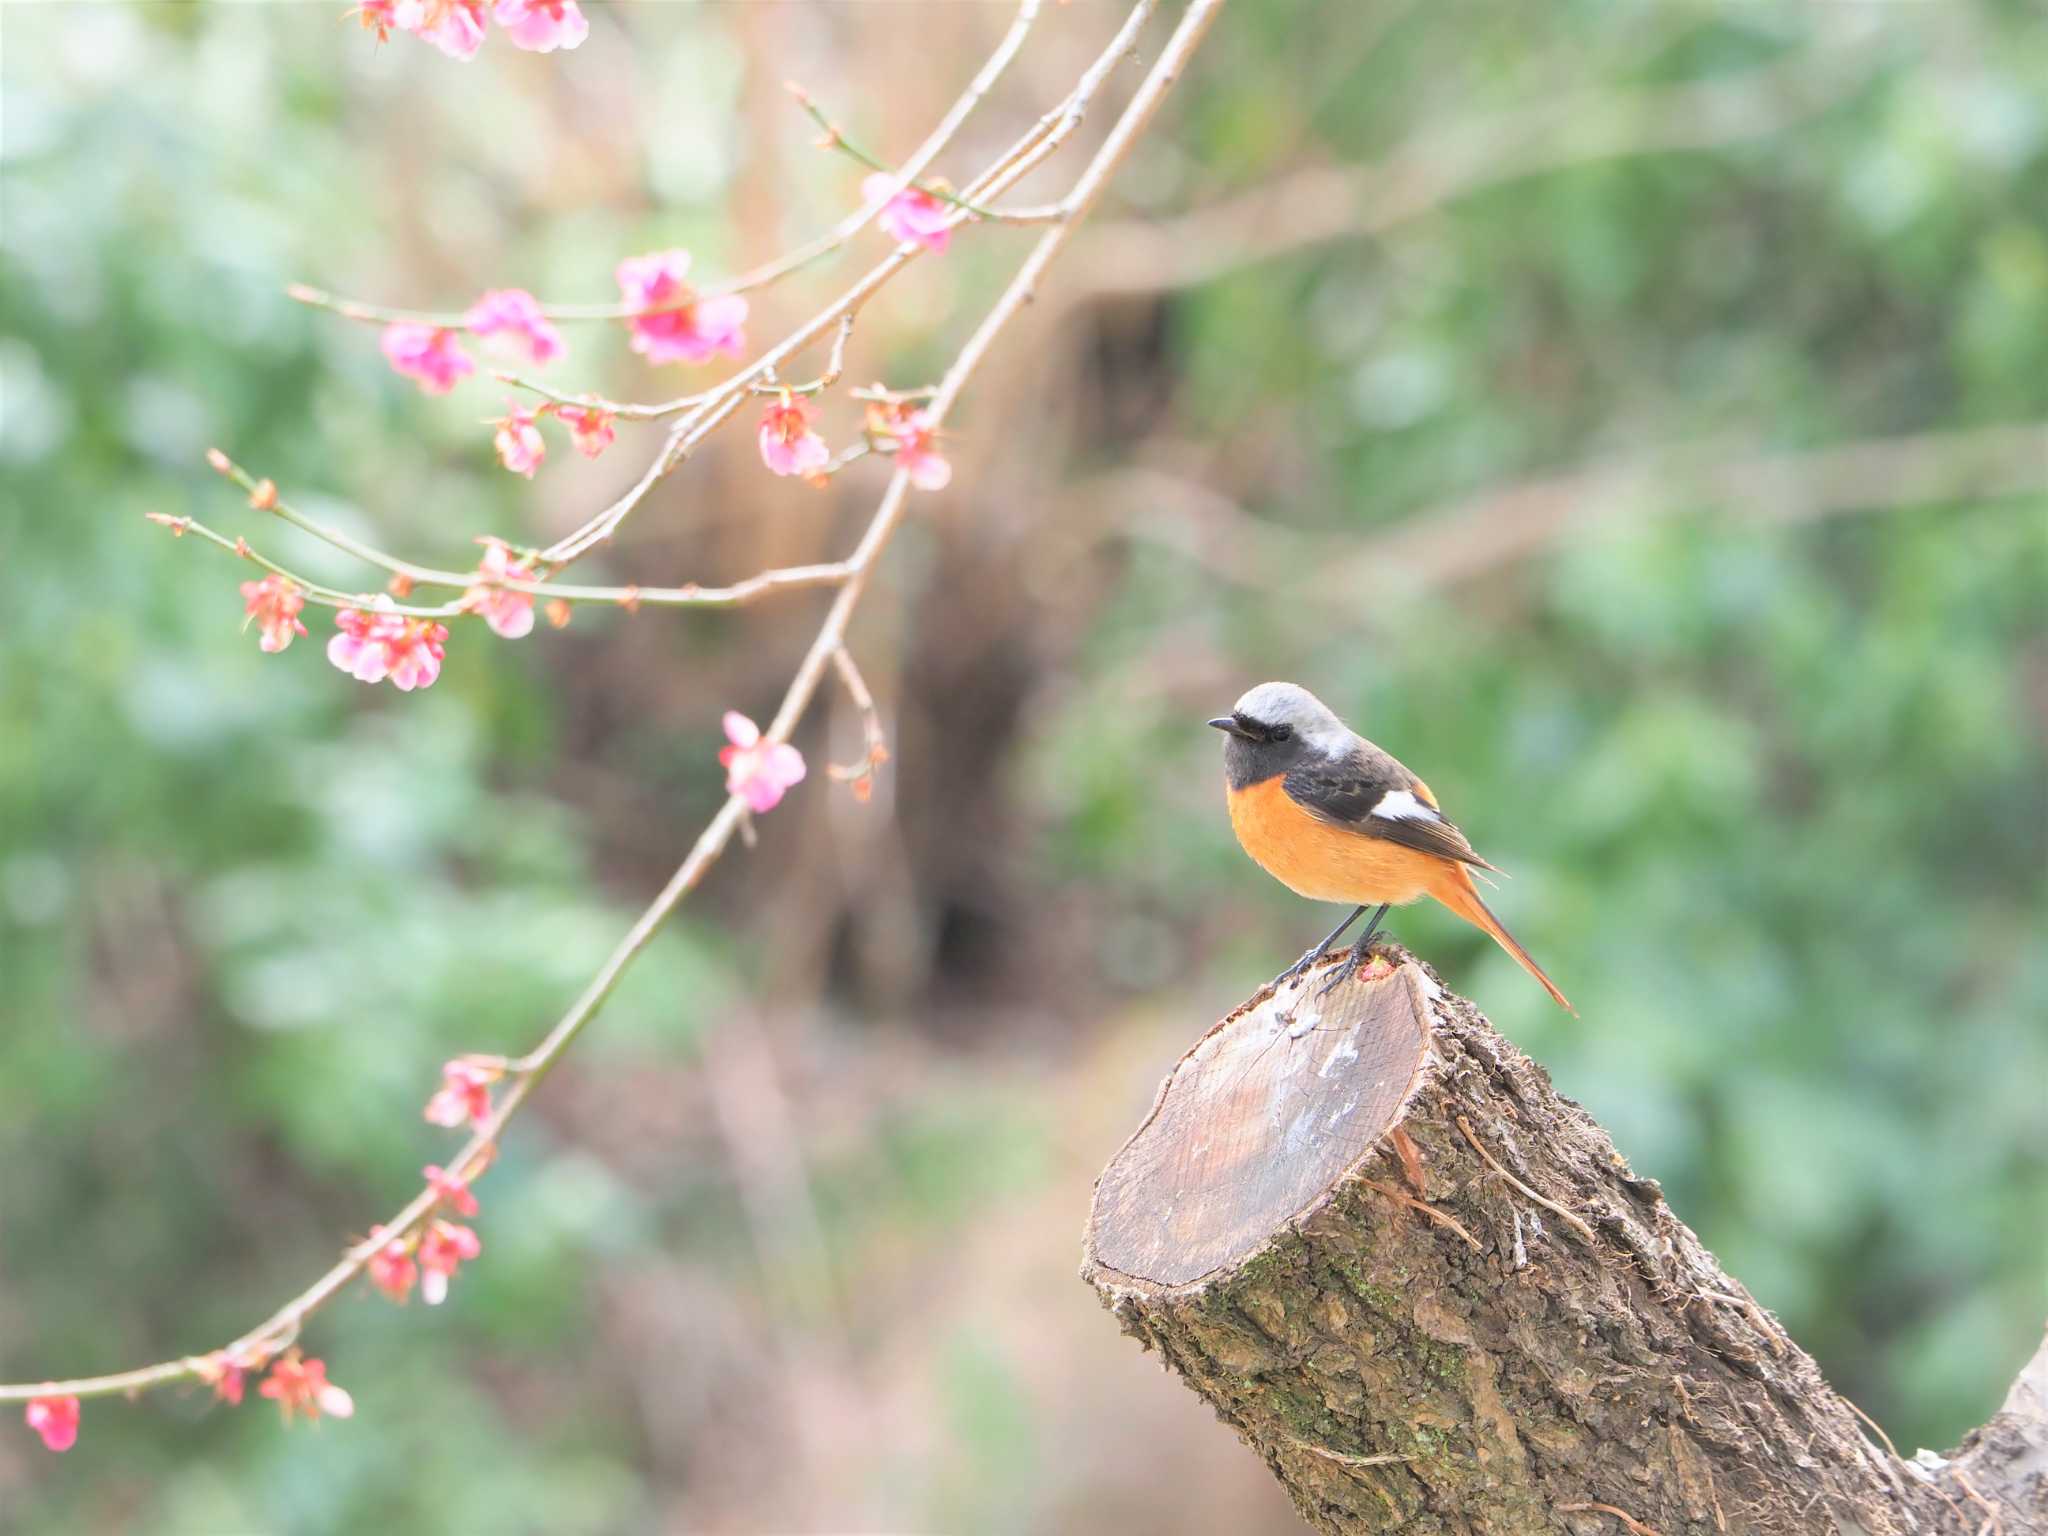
(1774, 793)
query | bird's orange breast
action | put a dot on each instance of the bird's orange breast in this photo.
(1323, 862)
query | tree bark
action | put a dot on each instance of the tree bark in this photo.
(1426, 1289)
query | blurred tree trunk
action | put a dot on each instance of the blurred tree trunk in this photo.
(1426, 1289)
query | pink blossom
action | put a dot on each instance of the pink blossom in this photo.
(914, 436)
(456, 27)
(757, 773)
(298, 1384)
(391, 1268)
(443, 1248)
(379, 644)
(274, 603)
(542, 26)
(428, 355)
(56, 1420)
(654, 280)
(514, 309)
(465, 1094)
(912, 216)
(788, 445)
(694, 333)
(223, 1374)
(590, 426)
(674, 324)
(518, 441)
(375, 15)
(450, 1190)
(509, 613)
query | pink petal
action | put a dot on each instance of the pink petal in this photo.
(512, 619)
(654, 278)
(809, 455)
(534, 27)
(720, 318)
(785, 764)
(928, 472)
(739, 730)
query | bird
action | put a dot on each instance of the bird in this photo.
(1334, 818)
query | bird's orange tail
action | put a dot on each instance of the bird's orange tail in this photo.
(1454, 888)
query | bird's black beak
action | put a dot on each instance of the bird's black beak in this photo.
(1226, 723)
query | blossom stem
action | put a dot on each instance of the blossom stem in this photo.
(632, 411)
(278, 507)
(780, 579)
(873, 737)
(446, 320)
(835, 138)
(933, 146)
(312, 591)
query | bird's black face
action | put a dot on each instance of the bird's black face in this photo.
(1256, 749)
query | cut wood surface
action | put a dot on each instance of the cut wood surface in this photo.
(1427, 1290)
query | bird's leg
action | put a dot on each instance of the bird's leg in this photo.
(1359, 951)
(1301, 966)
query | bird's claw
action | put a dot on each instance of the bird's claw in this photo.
(1340, 974)
(1296, 971)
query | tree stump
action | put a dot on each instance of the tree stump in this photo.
(1426, 1289)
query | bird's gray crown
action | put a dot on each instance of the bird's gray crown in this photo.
(1291, 704)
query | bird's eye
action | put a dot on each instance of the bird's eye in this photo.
(1280, 733)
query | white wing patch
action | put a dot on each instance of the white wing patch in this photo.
(1400, 805)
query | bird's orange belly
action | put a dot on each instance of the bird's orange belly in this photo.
(1322, 862)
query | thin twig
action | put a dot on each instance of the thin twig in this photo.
(835, 138)
(860, 776)
(1345, 1458)
(1876, 1428)
(312, 591)
(1549, 1205)
(1762, 1324)
(635, 410)
(1994, 1523)
(1401, 1197)
(690, 595)
(910, 170)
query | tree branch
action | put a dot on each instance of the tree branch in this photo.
(526, 1073)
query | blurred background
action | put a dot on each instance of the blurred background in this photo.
(1638, 423)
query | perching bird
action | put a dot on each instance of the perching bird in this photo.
(1333, 818)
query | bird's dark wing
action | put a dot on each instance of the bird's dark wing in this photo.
(1370, 793)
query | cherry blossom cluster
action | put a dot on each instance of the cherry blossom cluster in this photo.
(429, 1257)
(667, 319)
(457, 27)
(521, 448)
(377, 642)
(295, 1383)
